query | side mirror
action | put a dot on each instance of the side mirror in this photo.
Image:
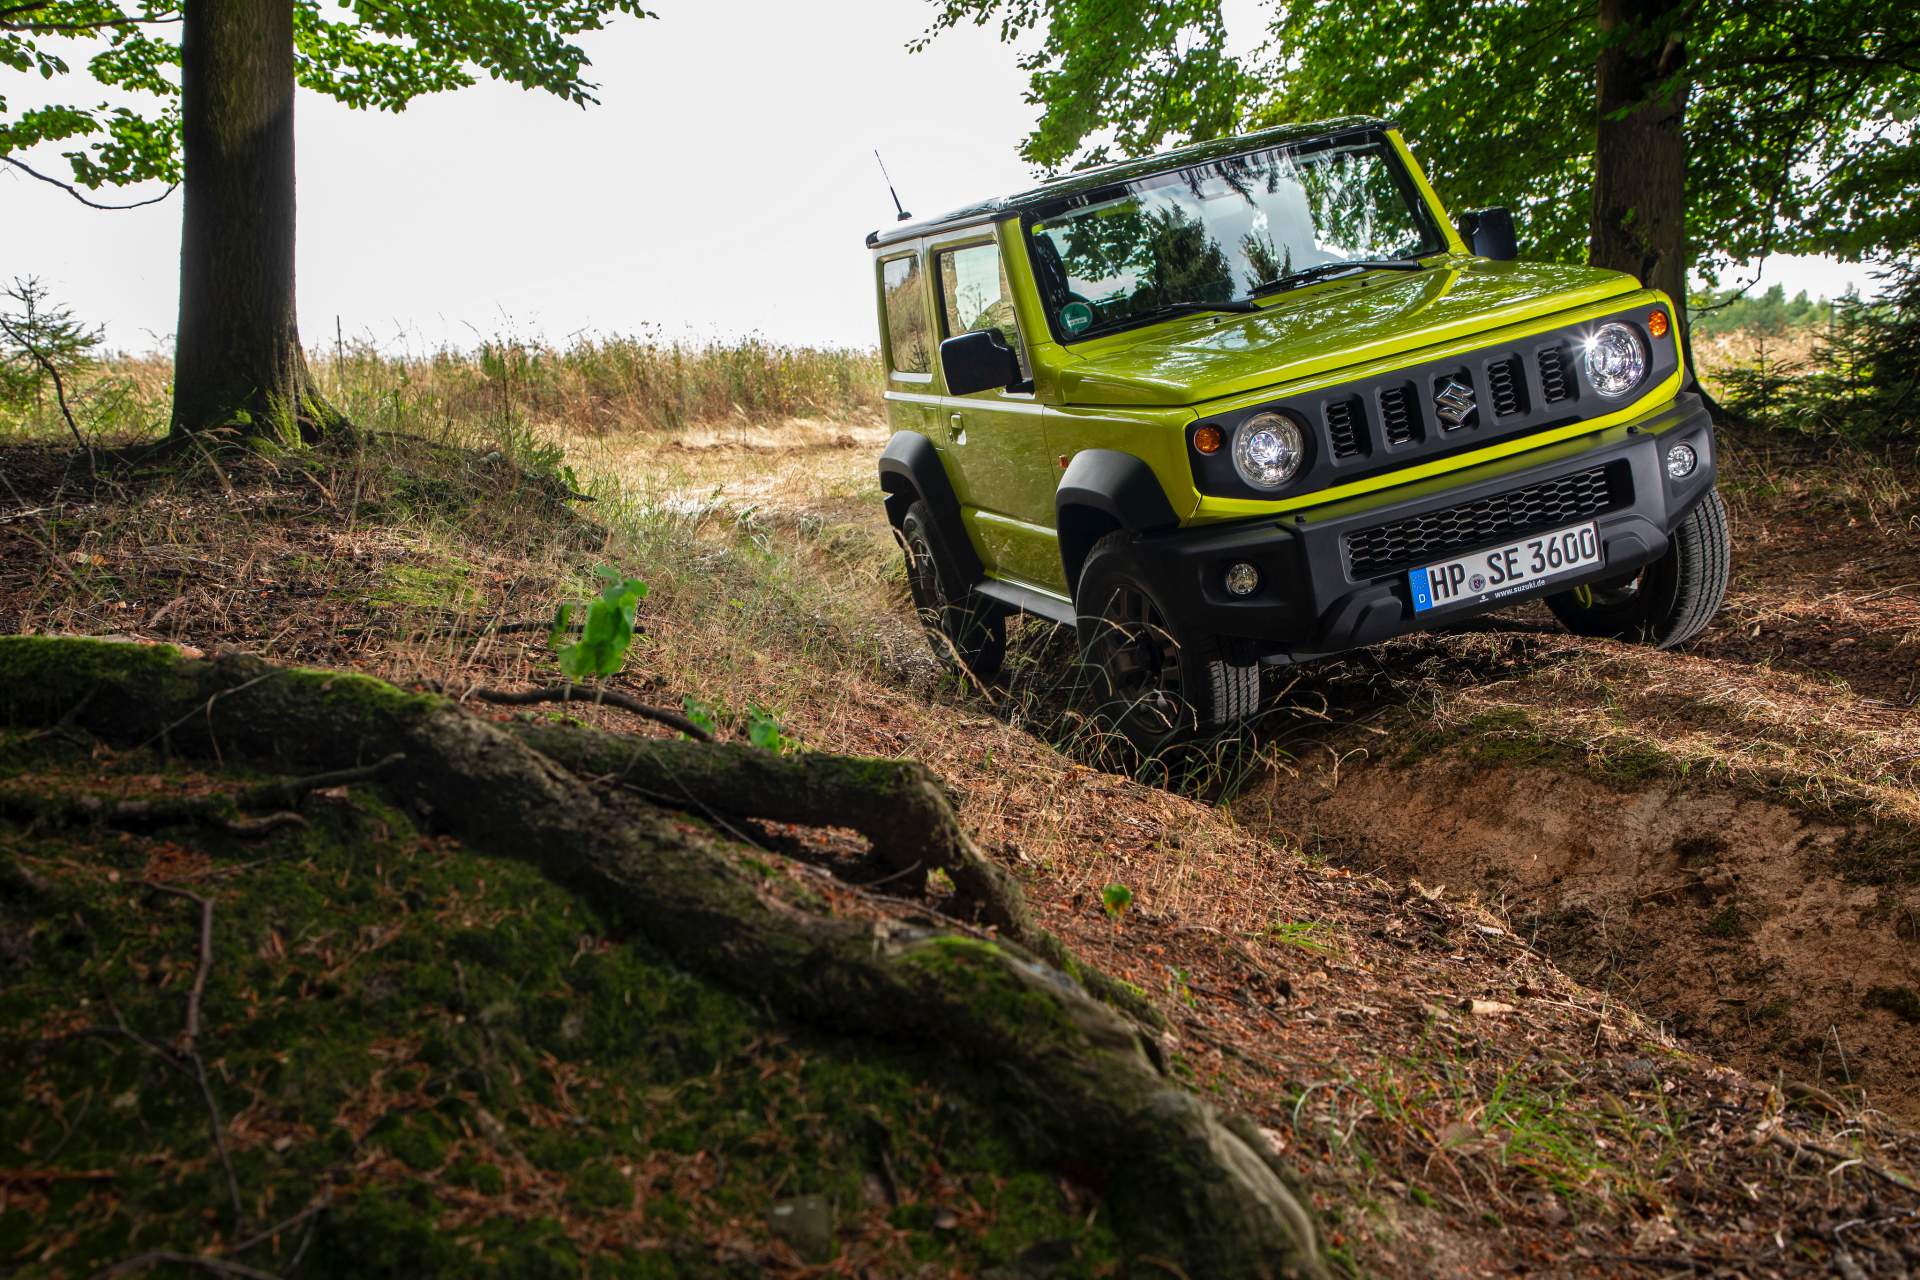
(978, 361)
(1489, 233)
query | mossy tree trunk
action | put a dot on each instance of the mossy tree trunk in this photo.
(1184, 1183)
(1640, 151)
(238, 361)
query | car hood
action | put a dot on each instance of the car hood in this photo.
(1202, 357)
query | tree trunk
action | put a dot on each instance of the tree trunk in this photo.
(1640, 154)
(237, 360)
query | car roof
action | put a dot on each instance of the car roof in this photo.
(1092, 179)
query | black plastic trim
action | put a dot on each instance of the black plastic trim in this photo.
(1026, 600)
(1105, 489)
(910, 468)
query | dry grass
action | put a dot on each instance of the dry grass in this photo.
(595, 385)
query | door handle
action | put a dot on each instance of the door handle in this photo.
(957, 428)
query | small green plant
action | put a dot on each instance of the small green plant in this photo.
(1311, 935)
(1180, 986)
(1116, 898)
(601, 649)
(763, 731)
(39, 338)
(702, 713)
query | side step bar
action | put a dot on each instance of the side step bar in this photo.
(1026, 600)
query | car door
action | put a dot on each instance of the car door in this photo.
(996, 437)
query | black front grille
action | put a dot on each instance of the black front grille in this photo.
(1396, 416)
(1553, 375)
(1343, 428)
(1425, 538)
(1504, 385)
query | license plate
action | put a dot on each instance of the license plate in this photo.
(1499, 572)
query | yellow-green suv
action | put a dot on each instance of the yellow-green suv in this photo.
(1257, 401)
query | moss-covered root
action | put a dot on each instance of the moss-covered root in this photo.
(897, 805)
(1184, 1185)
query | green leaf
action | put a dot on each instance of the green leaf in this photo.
(604, 640)
(701, 713)
(1116, 898)
(763, 731)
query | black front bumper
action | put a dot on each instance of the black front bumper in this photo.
(1312, 600)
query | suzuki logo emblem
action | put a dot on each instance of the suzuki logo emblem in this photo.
(1454, 403)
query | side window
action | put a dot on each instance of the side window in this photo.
(909, 333)
(974, 295)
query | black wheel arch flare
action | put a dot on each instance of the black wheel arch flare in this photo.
(910, 471)
(1104, 490)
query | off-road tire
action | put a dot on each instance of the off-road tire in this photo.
(965, 632)
(1194, 687)
(1668, 602)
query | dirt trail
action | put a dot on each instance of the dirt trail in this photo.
(1727, 838)
(1726, 914)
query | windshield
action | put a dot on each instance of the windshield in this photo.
(1217, 232)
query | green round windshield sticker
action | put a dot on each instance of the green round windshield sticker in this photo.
(1075, 317)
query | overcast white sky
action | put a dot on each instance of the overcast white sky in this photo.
(723, 186)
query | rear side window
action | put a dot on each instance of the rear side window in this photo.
(909, 332)
(974, 295)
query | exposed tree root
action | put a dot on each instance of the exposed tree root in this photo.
(898, 805)
(68, 809)
(588, 697)
(1182, 1183)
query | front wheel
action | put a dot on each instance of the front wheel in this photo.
(1666, 603)
(1147, 675)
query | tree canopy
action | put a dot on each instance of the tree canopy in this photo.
(365, 53)
(1798, 118)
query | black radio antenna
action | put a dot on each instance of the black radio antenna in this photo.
(904, 215)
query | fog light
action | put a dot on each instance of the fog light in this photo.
(1242, 578)
(1681, 460)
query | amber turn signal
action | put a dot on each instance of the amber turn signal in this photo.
(1208, 439)
(1657, 324)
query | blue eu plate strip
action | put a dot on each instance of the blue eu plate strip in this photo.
(1422, 590)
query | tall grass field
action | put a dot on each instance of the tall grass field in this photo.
(593, 386)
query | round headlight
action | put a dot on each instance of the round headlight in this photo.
(1616, 359)
(1268, 450)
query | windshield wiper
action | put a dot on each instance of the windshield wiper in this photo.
(1331, 271)
(1170, 309)
(1185, 308)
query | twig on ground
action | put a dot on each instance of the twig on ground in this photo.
(291, 791)
(574, 693)
(144, 1261)
(1802, 1147)
(318, 1207)
(191, 1034)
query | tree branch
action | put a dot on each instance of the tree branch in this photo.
(58, 28)
(74, 191)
